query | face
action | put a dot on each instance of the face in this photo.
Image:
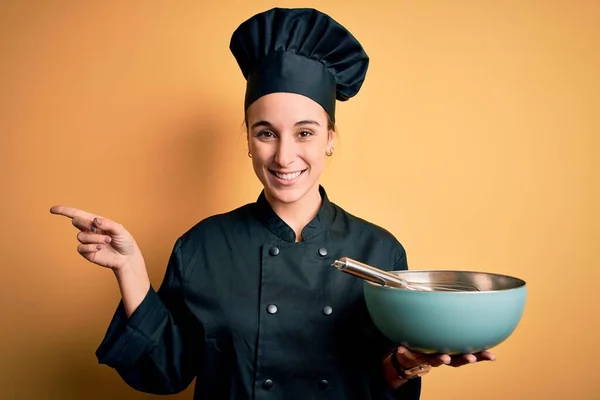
(288, 138)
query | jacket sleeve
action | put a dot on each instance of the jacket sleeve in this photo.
(154, 351)
(411, 390)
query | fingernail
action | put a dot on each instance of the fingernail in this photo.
(99, 247)
(107, 239)
(97, 221)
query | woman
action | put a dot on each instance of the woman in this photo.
(250, 305)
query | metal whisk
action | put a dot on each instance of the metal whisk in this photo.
(384, 278)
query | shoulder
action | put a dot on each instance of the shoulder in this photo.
(362, 226)
(371, 234)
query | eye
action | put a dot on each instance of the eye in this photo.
(265, 135)
(305, 134)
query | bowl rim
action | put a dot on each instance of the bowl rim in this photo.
(521, 283)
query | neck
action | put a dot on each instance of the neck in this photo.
(298, 214)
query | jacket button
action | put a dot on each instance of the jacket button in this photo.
(323, 251)
(274, 251)
(323, 384)
(272, 309)
(327, 310)
(268, 384)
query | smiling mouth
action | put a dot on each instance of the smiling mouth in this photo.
(287, 176)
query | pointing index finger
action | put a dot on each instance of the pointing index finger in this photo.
(71, 212)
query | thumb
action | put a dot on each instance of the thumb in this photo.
(405, 354)
(107, 226)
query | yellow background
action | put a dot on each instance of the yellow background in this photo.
(474, 140)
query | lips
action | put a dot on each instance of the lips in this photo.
(287, 176)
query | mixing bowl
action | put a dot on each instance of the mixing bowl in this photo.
(448, 322)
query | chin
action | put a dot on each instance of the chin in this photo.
(287, 195)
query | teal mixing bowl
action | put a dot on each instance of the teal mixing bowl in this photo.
(448, 322)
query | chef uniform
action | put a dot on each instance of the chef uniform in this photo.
(245, 309)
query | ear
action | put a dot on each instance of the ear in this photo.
(330, 140)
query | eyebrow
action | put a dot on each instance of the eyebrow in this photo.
(299, 123)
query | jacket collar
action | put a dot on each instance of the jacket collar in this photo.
(264, 212)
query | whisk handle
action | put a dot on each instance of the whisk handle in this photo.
(367, 272)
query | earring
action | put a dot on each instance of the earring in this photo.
(249, 154)
(330, 152)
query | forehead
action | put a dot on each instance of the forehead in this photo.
(285, 109)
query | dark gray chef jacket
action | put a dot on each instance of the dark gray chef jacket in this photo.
(250, 313)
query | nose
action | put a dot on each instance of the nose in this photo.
(286, 152)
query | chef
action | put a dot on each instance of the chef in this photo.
(250, 306)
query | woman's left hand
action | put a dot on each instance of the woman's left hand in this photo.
(409, 359)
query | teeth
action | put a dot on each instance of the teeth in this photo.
(288, 177)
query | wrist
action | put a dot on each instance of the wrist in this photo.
(134, 266)
(132, 275)
(393, 380)
(397, 374)
(133, 284)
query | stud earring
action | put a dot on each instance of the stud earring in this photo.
(249, 154)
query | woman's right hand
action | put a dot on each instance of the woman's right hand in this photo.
(102, 241)
(108, 244)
